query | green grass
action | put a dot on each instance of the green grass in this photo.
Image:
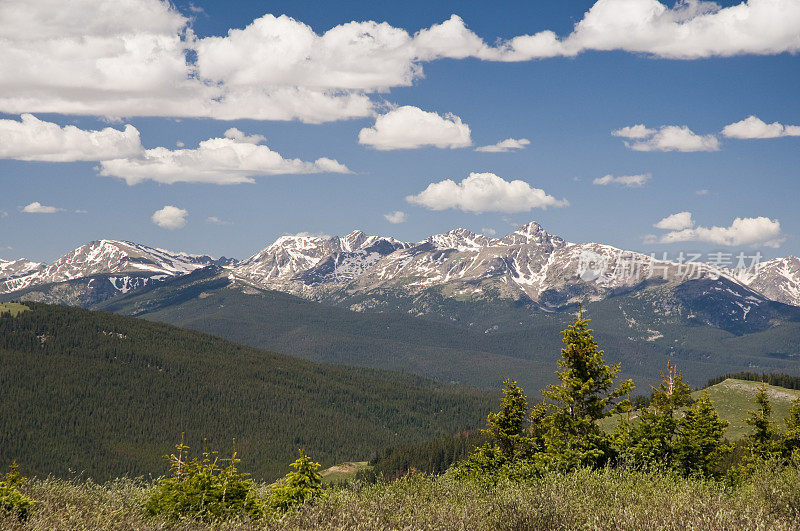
(14, 308)
(343, 472)
(735, 398)
(602, 499)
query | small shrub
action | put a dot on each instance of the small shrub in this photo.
(12, 501)
(204, 489)
(299, 486)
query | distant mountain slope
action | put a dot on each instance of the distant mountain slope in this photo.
(109, 395)
(476, 342)
(209, 300)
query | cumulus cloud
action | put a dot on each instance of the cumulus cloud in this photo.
(509, 144)
(691, 29)
(637, 132)
(742, 231)
(170, 217)
(34, 139)
(628, 181)
(214, 220)
(667, 138)
(410, 127)
(396, 217)
(141, 58)
(754, 127)
(679, 221)
(37, 208)
(488, 231)
(484, 192)
(237, 158)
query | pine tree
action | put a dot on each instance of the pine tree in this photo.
(507, 427)
(762, 442)
(299, 486)
(585, 395)
(652, 440)
(699, 446)
(790, 440)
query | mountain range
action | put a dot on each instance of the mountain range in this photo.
(528, 266)
(458, 307)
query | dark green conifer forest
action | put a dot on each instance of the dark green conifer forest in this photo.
(100, 395)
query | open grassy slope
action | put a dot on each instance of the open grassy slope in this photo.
(735, 398)
(12, 308)
(109, 395)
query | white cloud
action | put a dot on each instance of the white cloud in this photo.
(488, 231)
(704, 191)
(754, 127)
(170, 217)
(484, 192)
(637, 132)
(679, 221)
(231, 160)
(214, 220)
(410, 127)
(3, 214)
(37, 208)
(692, 29)
(235, 134)
(667, 138)
(629, 181)
(141, 58)
(742, 231)
(34, 139)
(135, 58)
(396, 217)
(504, 146)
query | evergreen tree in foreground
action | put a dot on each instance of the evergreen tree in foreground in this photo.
(299, 486)
(790, 441)
(763, 441)
(699, 445)
(507, 427)
(651, 441)
(585, 395)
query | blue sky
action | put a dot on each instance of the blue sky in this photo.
(566, 105)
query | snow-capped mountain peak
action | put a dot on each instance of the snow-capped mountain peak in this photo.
(459, 239)
(530, 233)
(107, 257)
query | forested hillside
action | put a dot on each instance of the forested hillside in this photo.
(474, 352)
(107, 395)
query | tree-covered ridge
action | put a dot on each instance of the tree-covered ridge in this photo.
(106, 395)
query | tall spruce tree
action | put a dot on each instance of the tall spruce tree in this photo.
(584, 395)
(651, 440)
(790, 440)
(699, 445)
(507, 427)
(762, 442)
